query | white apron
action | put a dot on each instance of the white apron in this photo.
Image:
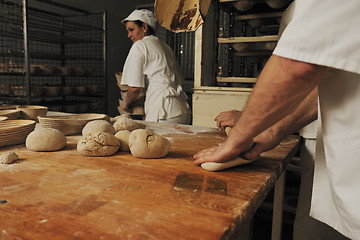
(336, 190)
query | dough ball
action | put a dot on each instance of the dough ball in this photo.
(123, 137)
(127, 124)
(227, 130)
(98, 126)
(45, 140)
(144, 143)
(98, 144)
(8, 157)
(124, 115)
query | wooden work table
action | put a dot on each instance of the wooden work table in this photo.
(63, 195)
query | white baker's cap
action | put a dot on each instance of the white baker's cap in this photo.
(143, 15)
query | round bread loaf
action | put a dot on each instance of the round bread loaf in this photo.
(45, 140)
(127, 124)
(98, 126)
(144, 143)
(123, 137)
(98, 144)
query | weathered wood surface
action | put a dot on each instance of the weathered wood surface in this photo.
(63, 195)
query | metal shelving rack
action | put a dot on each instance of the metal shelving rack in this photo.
(227, 70)
(52, 54)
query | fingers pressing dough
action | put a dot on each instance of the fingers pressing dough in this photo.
(214, 166)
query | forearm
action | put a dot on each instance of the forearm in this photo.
(304, 114)
(281, 87)
(132, 94)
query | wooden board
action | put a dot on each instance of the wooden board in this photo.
(63, 195)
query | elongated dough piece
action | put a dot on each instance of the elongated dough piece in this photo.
(214, 166)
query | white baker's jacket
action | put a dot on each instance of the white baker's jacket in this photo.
(152, 60)
(325, 33)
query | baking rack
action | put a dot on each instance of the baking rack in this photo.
(52, 54)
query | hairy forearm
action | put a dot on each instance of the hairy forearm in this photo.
(281, 88)
(304, 114)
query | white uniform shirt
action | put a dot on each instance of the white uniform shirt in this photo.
(151, 59)
(326, 33)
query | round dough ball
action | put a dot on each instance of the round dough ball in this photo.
(124, 115)
(45, 140)
(98, 144)
(98, 126)
(144, 143)
(227, 130)
(8, 157)
(123, 137)
(127, 124)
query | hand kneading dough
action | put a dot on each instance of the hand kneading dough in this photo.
(214, 166)
(127, 124)
(45, 140)
(144, 143)
(98, 126)
(8, 157)
(123, 137)
(98, 144)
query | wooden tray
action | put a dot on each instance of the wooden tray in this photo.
(15, 131)
(70, 124)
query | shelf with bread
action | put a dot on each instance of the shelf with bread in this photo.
(245, 33)
(51, 50)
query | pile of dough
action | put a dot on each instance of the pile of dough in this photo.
(123, 137)
(124, 115)
(45, 140)
(127, 124)
(98, 144)
(98, 126)
(144, 143)
(227, 130)
(8, 157)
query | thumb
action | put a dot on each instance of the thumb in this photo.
(253, 152)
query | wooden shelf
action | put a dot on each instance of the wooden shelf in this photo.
(236, 79)
(258, 16)
(270, 38)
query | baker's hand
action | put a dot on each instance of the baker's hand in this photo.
(126, 107)
(224, 152)
(227, 119)
(265, 141)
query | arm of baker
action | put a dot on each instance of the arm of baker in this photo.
(131, 96)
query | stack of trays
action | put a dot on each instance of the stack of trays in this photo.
(70, 124)
(15, 131)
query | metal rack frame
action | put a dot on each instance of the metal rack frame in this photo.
(59, 37)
